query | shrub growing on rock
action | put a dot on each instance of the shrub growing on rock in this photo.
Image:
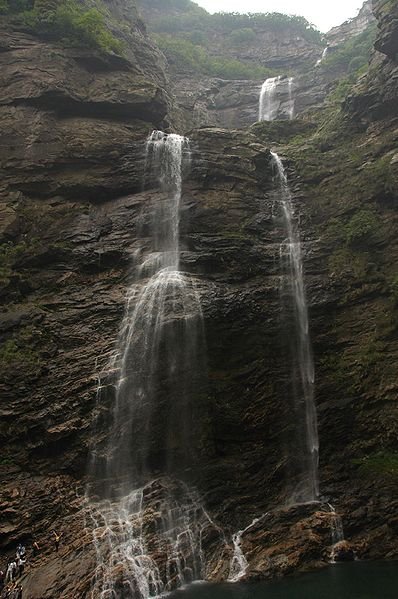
(186, 55)
(363, 225)
(241, 36)
(64, 19)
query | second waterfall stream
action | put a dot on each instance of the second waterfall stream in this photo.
(306, 448)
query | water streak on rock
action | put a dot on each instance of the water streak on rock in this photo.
(324, 54)
(337, 532)
(239, 563)
(308, 487)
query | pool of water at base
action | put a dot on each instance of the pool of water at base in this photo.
(356, 580)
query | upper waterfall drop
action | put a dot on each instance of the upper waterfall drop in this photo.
(276, 99)
(157, 336)
(268, 106)
(308, 488)
(166, 157)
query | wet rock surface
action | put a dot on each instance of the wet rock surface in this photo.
(287, 540)
(73, 215)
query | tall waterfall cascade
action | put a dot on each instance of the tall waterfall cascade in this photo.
(303, 365)
(276, 99)
(150, 430)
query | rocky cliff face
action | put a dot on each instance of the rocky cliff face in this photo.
(73, 121)
(72, 157)
(353, 27)
(387, 15)
(281, 47)
(205, 99)
(231, 101)
(375, 96)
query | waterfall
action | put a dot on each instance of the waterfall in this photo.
(268, 106)
(156, 357)
(276, 99)
(151, 431)
(291, 99)
(324, 54)
(336, 526)
(308, 488)
(337, 532)
(239, 563)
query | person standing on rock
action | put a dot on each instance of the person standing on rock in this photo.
(11, 571)
(35, 548)
(57, 539)
(21, 565)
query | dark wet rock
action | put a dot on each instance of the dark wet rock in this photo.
(287, 540)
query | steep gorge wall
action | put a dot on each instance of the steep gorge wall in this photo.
(278, 48)
(73, 123)
(72, 204)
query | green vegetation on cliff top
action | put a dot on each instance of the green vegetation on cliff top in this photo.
(192, 17)
(184, 54)
(354, 54)
(67, 20)
(185, 32)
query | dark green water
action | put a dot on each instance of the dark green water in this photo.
(358, 580)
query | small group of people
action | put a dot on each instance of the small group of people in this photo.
(16, 565)
(9, 587)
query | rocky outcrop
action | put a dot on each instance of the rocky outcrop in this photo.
(387, 16)
(60, 105)
(349, 29)
(375, 96)
(288, 540)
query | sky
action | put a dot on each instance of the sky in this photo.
(324, 15)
